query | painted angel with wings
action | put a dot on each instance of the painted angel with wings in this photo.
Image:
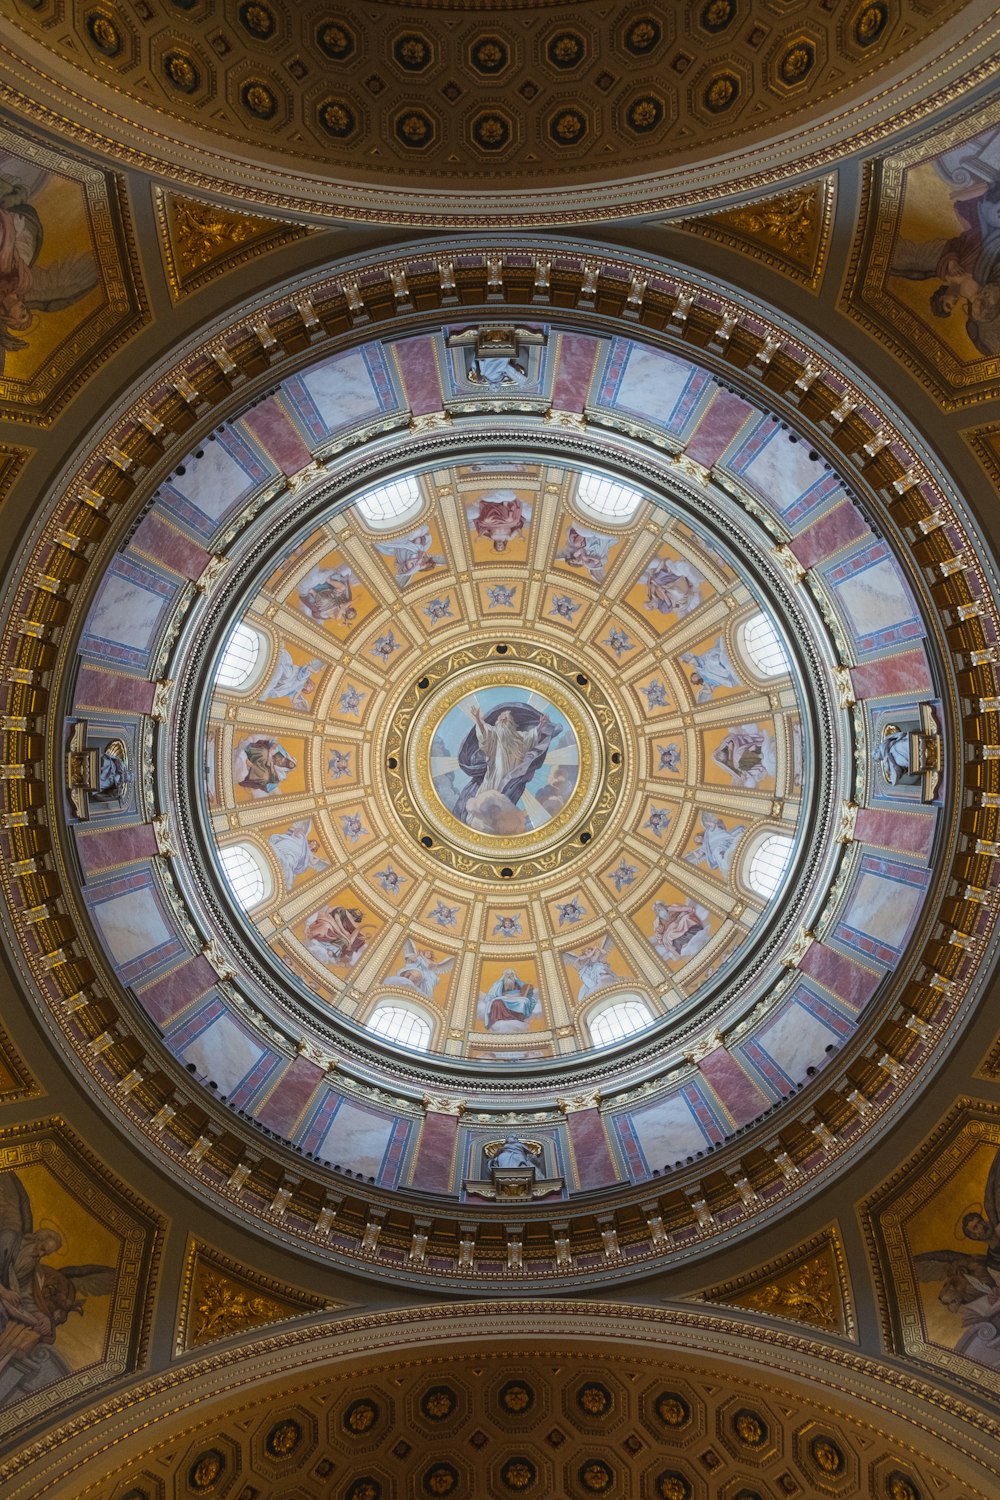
(293, 682)
(419, 969)
(35, 1297)
(591, 963)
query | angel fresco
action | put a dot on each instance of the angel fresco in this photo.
(420, 970)
(297, 851)
(711, 669)
(593, 967)
(714, 845)
(410, 555)
(36, 1298)
(27, 288)
(293, 682)
(970, 1280)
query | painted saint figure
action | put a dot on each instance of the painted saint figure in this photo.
(297, 851)
(673, 586)
(502, 752)
(679, 930)
(970, 1279)
(587, 550)
(27, 288)
(333, 934)
(326, 594)
(509, 999)
(747, 753)
(261, 765)
(500, 517)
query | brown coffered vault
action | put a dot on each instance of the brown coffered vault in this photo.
(499, 750)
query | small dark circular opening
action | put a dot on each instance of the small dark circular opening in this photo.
(581, 679)
(616, 759)
(502, 650)
(585, 838)
(392, 762)
(506, 873)
(427, 841)
(424, 682)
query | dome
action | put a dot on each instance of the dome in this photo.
(505, 676)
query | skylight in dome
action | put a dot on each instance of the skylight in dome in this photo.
(244, 874)
(239, 658)
(606, 498)
(619, 1021)
(390, 504)
(399, 1025)
(768, 864)
(764, 649)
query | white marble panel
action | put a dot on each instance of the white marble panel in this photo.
(342, 390)
(356, 1139)
(667, 1132)
(131, 924)
(223, 1053)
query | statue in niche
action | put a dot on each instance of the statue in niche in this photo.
(516, 1170)
(909, 753)
(513, 1153)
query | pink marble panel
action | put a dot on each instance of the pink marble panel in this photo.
(735, 1088)
(840, 526)
(717, 428)
(594, 1164)
(418, 366)
(169, 547)
(115, 846)
(906, 673)
(272, 428)
(290, 1095)
(911, 832)
(112, 690)
(435, 1153)
(574, 372)
(840, 975)
(169, 995)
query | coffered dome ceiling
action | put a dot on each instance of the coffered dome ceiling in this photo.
(396, 112)
(481, 726)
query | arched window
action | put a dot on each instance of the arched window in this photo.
(606, 498)
(397, 1024)
(620, 1019)
(238, 660)
(763, 648)
(389, 504)
(768, 863)
(249, 880)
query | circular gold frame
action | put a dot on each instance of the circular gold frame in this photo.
(406, 739)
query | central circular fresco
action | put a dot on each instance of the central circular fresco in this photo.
(502, 747)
